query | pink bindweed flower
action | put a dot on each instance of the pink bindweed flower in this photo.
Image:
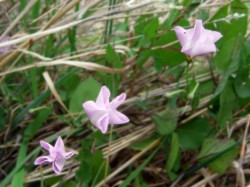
(198, 40)
(102, 112)
(5, 48)
(57, 155)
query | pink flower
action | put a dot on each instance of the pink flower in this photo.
(5, 48)
(198, 40)
(102, 112)
(57, 155)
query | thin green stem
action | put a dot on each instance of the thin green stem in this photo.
(107, 161)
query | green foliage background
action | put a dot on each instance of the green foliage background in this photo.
(191, 115)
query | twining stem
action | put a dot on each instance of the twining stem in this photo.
(107, 161)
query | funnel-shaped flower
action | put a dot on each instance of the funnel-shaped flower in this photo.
(102, 112)
(57, 155)
(198, 40)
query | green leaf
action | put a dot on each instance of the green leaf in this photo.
(97, 163)
(112, 57)
(85, 173)
(228, 61)
(36, 124)
(87, 90)
(227, 102)
(166, 121)
(69, 184)
(150, 30)
(19, 175)
(170, 56)
(172, 17)
(230, 28)
(193, 133)
(213, 146)
(242, 81)
(140, 145)
(174, 151)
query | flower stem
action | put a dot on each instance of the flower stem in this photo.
(107, 161)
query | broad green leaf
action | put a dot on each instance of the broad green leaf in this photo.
(169, 56)
(222, 163)
(87, 90)
(213, 146)
(69, 184)
(112, 57)
(227, 102)
(231, 60)
(173, 153)
(165, 122)
(142, 23)
(193, 133)
(150, 30)
(140, 145)
(190, 2)
(36, 124)
(98, 164)
(226, 60)
(70, 86)
(226, 22)
(172, 17)
(242, 81)
(85, 173)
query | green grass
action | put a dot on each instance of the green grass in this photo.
(197, 109)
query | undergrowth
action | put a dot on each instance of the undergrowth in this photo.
(189, 118)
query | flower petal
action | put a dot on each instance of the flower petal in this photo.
(101, 120)
(46, 145)
(182, 35)
(214, 35)
(200, 49)
(69, 154)
(5, 48)
(103, 124)
(90, 108)
(118, 101)
(59, 146)
(197, 41)
(58, 164)
(117, 117)
(198, 32)
(103, 97)
(43, 160)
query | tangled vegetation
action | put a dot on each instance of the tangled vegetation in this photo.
(188, 115)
